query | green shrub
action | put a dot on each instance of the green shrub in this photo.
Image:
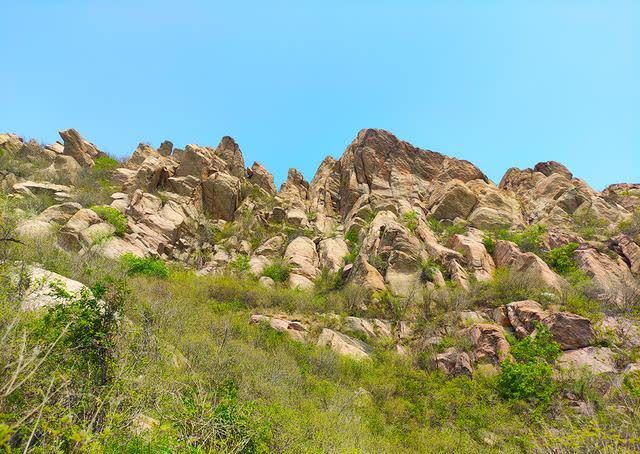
(528, 240)
(446, 230)
(147, 266)
(113, 217)
(240, 263)
(105, 164)
(530, 377)
(561, 258)
(631, 226)
(428, 269)
(410, 220)
(353, 242)
(278, 270)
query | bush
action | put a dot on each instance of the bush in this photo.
(112, 216)
(530, 377)
(240, 263)
(410, 220)
(145, 265)
(446, 230)
(278, 270)
(561, 258)
(528, 240)
(105, 164)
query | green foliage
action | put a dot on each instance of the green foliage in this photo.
(278, 270)
(353, 242)
(113, 217)
(588, 225)
(410, 220)
(528, 240)
(147, 266)
(446, 230)
(561, 258)
(219, 233)
(104, 164)
(530, 377)
(631, 226)
(328, 281)
(241, 263)
(428, 269)
(507, 286)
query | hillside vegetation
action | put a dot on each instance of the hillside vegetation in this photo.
(399, 302)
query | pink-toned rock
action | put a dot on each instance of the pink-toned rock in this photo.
(489, 343)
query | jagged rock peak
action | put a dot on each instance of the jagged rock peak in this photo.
(229, 151)
(261, 177)
(78, 148)
(550, 167)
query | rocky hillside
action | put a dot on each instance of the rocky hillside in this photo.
(412, 252)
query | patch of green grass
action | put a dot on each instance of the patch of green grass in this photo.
(113, 217)
(278, 270)
(561, 258)
(147, 266)
(410, 220)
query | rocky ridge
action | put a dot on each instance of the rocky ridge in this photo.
(377, 217)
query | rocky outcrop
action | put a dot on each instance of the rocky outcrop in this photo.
(293, 328)
(476, 255)
(598, 360)
(629, 250)
(507, 254)
(489, 343)
(343, 344)
(453, 362)
(571, 331)
(261, 177)
(78, 148)
(609, 275)
(42, 289)
(301, 254)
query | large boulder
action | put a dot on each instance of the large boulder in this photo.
(507, 254)
(489, 343)
(301, 254)
(598, 360)
(293, 328)
(221, 195)
(343, 344)
(78, 148)
(331, 252)
(610, 276)
(454, 363)
(523, 316)
(571, 331)
(476, 255)
(42, 289)
(629, 250)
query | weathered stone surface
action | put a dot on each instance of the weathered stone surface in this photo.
(343, 344)
(598, 360)
(331, 252)
(366, 275)
(455, 200)
(571, 331)
(610, 276)
(489, 343)
(523, 315)
(508, 255)
(629, 250)
(374, 328)
(221, 195)
(476, 255)
(301, 254)
(40, 292)
(78, 148)
(294, 328)
(261, 177)
(454, 363)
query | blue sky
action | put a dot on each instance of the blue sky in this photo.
(500, 83)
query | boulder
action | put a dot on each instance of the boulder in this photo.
(454, 363)
(523, 315)
(41, 290)
(571, 331)
(261, 177)
(507, 254)
(78, 148)
(373, 328)
(221, 195)
(343, 344)
(609, 275)
(598, 360)
(476, 255)
(629, 250)
(301, 254)
(331, 252)
(489, 343)
(295, 329)
(366, 275)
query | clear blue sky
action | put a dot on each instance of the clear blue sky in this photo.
(500, 83)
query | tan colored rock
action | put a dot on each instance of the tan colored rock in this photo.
(454, 363)
(366, 275)
(301, 254)
(261, 177)
(78, 148)
(523, 315)
(297, 217)
(295, 329)
(331, 252)
(294, 189)
(610, 276)
(476, 255)
(229, 152)
(455, 200)
(551, 167)
(571, 331)
(70, 236)
(489, 343)
(221, 195)
(629, 250)
(507, 254)
(626, 333)
(41, 291)
(343, 344)
(598, 360)
(140, 154)
(374, 328)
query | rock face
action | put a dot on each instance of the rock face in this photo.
(489, 343)
(599, 360)
(78, 148)
(343, 344)
(571, 331)
(508, 255)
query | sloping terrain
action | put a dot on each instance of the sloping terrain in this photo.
(399, 301)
